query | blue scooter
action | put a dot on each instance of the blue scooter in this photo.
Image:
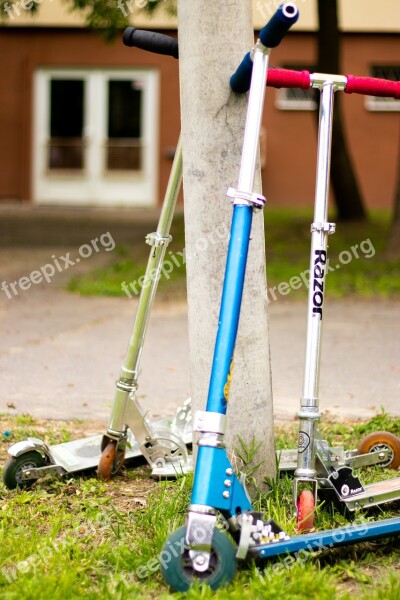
(206, 554)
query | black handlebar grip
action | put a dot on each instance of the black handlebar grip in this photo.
(151, 41)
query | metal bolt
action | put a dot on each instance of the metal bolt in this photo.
(227, 483)
(200, 560)
(225, 494)
(229, 471)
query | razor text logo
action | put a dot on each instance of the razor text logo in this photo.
(318, 281)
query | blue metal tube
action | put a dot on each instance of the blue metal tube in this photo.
(230, 308)
(322, 540)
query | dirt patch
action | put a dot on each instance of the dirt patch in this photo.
(127, 491)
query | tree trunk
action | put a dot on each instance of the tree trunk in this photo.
(344, 183)
(213, 37)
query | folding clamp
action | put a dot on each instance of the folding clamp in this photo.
(209, 422)
(154, 239)
(325, 227)
(246, 198)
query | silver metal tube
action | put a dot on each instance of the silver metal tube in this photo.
(318, 248)
(159, 243)
(320, 229)
(250, 149)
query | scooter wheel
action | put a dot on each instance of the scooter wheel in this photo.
(12, 472)
(305, 510)
(177, 568)
(382, 440)
(111, 461)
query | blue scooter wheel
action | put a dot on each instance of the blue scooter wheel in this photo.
(177, 568)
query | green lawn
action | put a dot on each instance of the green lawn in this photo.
(83, 538)
(358, 263)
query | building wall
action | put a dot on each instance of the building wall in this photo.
(22, 51)
(289, 174)
(373, 137)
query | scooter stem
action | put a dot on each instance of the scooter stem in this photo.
(320, 229)
(127, 383)
(216, 486)
(244, 203)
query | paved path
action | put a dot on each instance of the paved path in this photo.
(60, 353)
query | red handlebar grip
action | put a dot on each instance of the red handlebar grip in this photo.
(372, 87)
(286, 78)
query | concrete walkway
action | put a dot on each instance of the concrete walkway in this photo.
(61, 353)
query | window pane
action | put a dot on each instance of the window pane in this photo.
(66, 146)
(124, 112)
(124, 145)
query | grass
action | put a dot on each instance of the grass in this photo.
(359, 264)
(83, 538)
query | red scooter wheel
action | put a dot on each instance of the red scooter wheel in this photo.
(305, 510)
(111, 461)
(382, 440)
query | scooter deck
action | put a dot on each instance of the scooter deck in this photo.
(375, 493)
(287, 459)
(324, 540)
(84, 454)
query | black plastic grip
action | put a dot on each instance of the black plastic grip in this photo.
(151, 41)
(240, 80)
(275, 30)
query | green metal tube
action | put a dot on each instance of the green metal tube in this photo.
(159, 242)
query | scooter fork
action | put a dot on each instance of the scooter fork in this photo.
(321, 228)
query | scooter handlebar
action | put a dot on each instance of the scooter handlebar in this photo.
(151, 41)
(270, 36)
(287, 78)
(371, 86)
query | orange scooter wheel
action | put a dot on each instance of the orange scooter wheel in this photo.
(111, 461)
(382, 440)
(305, 510)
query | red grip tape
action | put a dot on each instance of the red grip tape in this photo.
(286, 78)
(372, 87)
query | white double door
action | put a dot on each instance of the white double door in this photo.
(95, 137)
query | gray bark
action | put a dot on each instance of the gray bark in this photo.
(213, 37)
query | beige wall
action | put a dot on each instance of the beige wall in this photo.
(354, 15)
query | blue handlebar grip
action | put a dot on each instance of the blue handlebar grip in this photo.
(241, 79)
(274, 31)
